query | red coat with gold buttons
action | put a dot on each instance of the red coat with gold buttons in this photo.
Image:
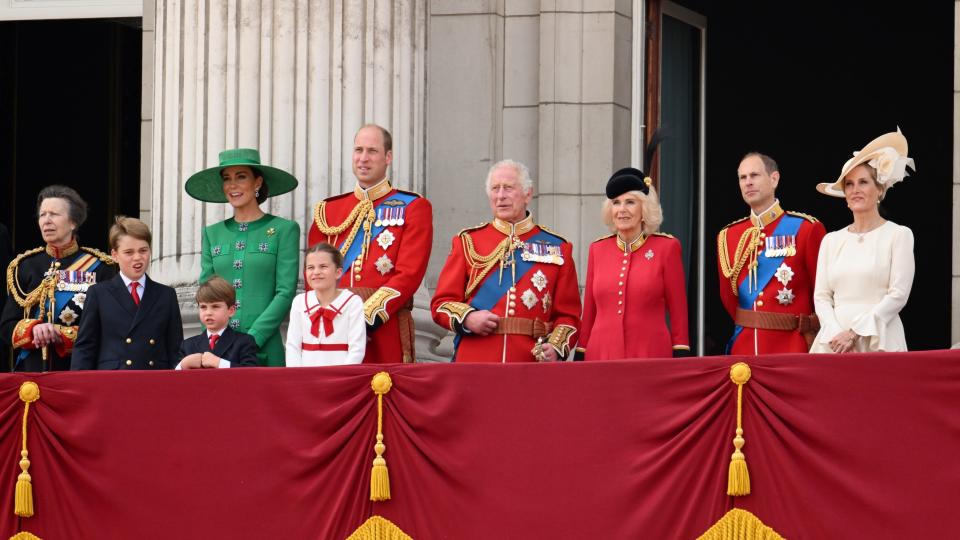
(547, 293)
(629, 291)
(794, 297)
(393, 266)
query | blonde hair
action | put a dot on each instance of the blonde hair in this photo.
(651, 215)
(128, 226)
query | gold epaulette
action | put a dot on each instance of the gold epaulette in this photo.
(12, 287)
(734, 222)
(100, 255)
(475, 227)
(551, 231)
(668, 235)
(604, 237)
(807, 217)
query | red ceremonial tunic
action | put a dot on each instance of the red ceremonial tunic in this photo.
(547, 293)
(794, 297)
(393, 267)
(629, 291)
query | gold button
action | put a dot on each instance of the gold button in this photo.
(513, 304)
(624, 268)
(357, 277)
(153, 342)
(513, 289)
(511, 312)
(129, 340)
(129, 362)
(624, 261)
(621, 284)
(760, 293)
(150, 362)
(620, 293)
(759, 303)
(513, 296)
(619, 313)
(620, 303)
(621, 275)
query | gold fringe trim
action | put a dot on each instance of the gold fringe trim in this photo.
(378, 528)
(379, 476)
(738, 476)
(24, 535)
(738, 524)
(23, 500)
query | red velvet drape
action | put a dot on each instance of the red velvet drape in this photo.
(846, 447)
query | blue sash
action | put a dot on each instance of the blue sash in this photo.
(493, 289)
(766, 268)
(375, 230)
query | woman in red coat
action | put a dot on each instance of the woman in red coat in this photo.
(634, 279)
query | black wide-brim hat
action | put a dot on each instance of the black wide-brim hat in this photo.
(628, 179)
(207, 185)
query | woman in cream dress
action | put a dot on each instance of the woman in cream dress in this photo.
(865, 270)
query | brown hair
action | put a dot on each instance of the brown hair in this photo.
(77, 206)
(387, 138)
(216, 289)
(324, 247)
(128, 226)
(768, 162)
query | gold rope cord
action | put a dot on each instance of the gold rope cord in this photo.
(23, 500)
(480, 265)
(379, 476)
(363, 208)
(746, 247)
(378, 528)
(739, 524)
(738, 476)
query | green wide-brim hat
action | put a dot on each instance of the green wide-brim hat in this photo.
(207, 185)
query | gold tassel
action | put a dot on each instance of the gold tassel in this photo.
(379, 476)
(738, 477)
(24, 535)
(739, 524)
(378, 528)
(23, 501)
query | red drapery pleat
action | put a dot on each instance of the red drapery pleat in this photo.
(854, 446)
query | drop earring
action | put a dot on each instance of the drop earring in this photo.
(256, 193)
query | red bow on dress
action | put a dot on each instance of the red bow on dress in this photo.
(325, 314)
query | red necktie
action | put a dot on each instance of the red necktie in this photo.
(133, 292)
(325, 314)
(213, 340)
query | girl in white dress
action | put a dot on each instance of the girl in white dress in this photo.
(327, 327)
(865, 270)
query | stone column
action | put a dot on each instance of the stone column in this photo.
(584, 113)
(293, 78)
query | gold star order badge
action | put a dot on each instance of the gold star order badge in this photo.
(384, 264)
(539, 280)
(529, 298)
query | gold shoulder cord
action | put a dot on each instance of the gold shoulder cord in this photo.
(100, 255)
(363, 208)
(24, 299)
(481, 264)
(745, 248)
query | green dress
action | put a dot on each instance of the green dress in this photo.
(262, 261)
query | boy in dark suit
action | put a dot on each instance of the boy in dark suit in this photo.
(220, 346)
(130, 321)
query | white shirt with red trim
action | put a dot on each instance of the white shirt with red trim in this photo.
(346, 344)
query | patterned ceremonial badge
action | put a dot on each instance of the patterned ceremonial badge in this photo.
(784, 273)
(385, 239)
(649, 254)
(539, 280)
(384, 264)
(529, 298)
(68, 315)
(79, 299)
(547, 302)
(785, 296)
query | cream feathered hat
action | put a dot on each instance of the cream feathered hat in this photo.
(887, 154)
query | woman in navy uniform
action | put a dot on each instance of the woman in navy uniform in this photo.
(47, 286)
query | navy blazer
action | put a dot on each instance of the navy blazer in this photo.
(115, 333)
(236, 347)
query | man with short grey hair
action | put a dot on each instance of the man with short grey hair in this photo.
(509, 287)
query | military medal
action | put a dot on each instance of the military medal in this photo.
(547, 302)
(539, 280)
(784, 274)
(384, 264)
(529, 298)
(542, 252)
(379, 220)
(385, 239)
(785, 296)
(649, 254)
(68, 315)
(400, 213)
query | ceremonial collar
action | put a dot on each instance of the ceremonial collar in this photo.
(768, 216)
(59, 253)
(633, 246)
(374, 192)
(523, 226)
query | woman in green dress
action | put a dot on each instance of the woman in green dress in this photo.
(257, 252)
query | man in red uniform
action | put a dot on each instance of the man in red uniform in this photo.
(509, 287)
(385, 236)
(767, 265)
